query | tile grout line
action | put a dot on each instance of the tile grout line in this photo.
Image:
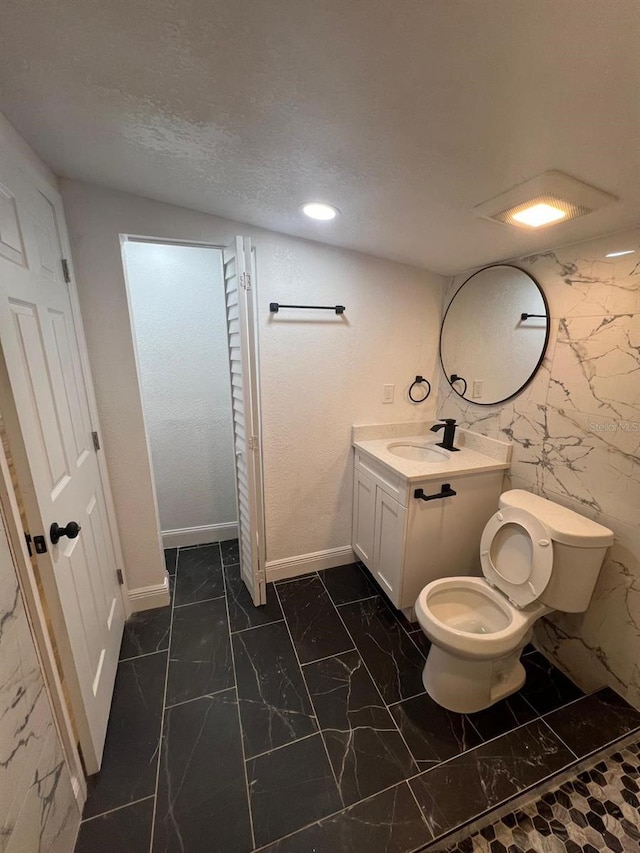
(202, 601)
(143, 655)
(421, 813)
(254, 627)
(117, 809)
(164, 702)
(235, 682)
(312, 706)
(373, 681)
(209, 695)
(285, 745)
(555, 734)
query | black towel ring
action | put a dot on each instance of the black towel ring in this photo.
(419, 380)
(456, 378)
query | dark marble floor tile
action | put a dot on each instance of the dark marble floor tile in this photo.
(528, 649)
(127, 830)
(393, 660)
(131, 749)
(421, 641)
(171, 559)
(594, 721)
(546, 688)
(242, 611)
(458, 790)
(199, 575)
(408, 626)
(390, 822)
(145, 632)
(348, 583)
(202, 793)
(432, 733)
(290, 788)
(200, 654)
(274, 704)
(365, 748)
(230, 552)
(314, 623)
(503, 716)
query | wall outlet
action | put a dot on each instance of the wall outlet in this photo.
(387, 393)
(476, 392)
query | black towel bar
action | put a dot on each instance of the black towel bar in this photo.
(274, 307)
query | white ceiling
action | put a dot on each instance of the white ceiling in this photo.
(403, 113)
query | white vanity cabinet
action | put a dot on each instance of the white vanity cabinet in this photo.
(406, 542)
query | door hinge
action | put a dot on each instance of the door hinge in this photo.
(65, 270)
(245, 280)
(119, 576)
(96, 441)
(40, 544)
(252, 442)
(27, 536)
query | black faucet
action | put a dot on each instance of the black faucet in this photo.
(449, 427)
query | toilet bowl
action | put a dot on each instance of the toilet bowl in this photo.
(536, 556)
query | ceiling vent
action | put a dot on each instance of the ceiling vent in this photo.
(548, 199)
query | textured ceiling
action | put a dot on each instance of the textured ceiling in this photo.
(403, 113)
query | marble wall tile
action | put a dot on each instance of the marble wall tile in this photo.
(39, 812)
(576, 440)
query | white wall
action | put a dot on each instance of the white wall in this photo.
(178, 307)
(320, 374)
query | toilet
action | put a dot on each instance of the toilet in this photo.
(536, 556)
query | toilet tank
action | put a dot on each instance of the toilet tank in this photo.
(579, 547)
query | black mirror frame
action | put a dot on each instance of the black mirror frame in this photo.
(544, 347)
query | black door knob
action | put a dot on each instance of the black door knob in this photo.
(71, 530)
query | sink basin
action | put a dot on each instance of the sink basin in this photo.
(417, 452)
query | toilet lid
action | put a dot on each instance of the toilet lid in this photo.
(516, 554)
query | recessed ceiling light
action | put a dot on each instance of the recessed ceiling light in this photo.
(547, 199)
(539, 214)
(619, 254)
(319, 210)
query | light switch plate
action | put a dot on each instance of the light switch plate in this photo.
(477, 389)
(387, 393)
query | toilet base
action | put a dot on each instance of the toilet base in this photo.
(466, 686)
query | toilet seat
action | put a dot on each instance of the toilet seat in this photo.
(516, 555)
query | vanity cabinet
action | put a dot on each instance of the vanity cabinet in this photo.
(406, 542)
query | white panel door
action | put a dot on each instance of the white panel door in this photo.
(239, 278)
(60, 477)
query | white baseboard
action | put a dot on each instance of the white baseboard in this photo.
(186, 536)
(149, 597)
(291, 567)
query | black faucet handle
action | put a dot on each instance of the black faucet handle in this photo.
(447, 420)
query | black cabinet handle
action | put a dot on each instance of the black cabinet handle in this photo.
(71, 530)
(445, 492)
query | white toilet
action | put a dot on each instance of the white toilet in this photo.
(536, 556)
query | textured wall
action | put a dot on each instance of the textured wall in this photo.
(178, 306)
(576, 436)
(320, 373)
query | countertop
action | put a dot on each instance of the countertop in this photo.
(465, 461)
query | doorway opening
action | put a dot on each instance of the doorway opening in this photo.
(193, 321)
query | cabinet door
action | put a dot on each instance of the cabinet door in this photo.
(364, 514)
(388, 546)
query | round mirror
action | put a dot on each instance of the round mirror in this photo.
(494, 334)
